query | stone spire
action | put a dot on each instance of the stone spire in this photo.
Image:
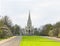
(29, 23)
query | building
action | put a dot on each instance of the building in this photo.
(29, 30)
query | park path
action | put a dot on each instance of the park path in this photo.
(52, 38)
(13, 42)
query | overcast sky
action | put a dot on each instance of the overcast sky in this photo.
(42, 11)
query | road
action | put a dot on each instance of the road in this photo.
(13, 42)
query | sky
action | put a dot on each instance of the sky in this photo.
(42, 11)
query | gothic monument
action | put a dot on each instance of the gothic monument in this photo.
(29, 30)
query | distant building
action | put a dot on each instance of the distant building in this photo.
(29, 30)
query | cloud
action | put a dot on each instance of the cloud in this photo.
(42, 11)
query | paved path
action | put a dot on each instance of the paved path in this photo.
(52, 38)
(13, 42)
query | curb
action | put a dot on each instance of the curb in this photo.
(6, 40)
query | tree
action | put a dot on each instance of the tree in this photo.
(57, 27)
(46, 29)
(5, 32)
(7, 21)
(1, 34)
(5, 27)
(55, 32)
(1, 23)
(36, 32)
(16, 30)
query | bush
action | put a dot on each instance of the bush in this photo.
(5, 33)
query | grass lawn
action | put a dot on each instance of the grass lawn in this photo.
(1, 39)
(4, 38)
(37, 41)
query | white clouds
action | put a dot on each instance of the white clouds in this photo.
(42, 11)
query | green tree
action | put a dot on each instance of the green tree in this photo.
(46, 29)
(16, 30)
(7, 21)
(57, 27)
(5, 24)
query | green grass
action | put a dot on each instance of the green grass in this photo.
(1, 39)
(4, 38)
(38, 41)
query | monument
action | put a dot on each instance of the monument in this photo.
(29, 30)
